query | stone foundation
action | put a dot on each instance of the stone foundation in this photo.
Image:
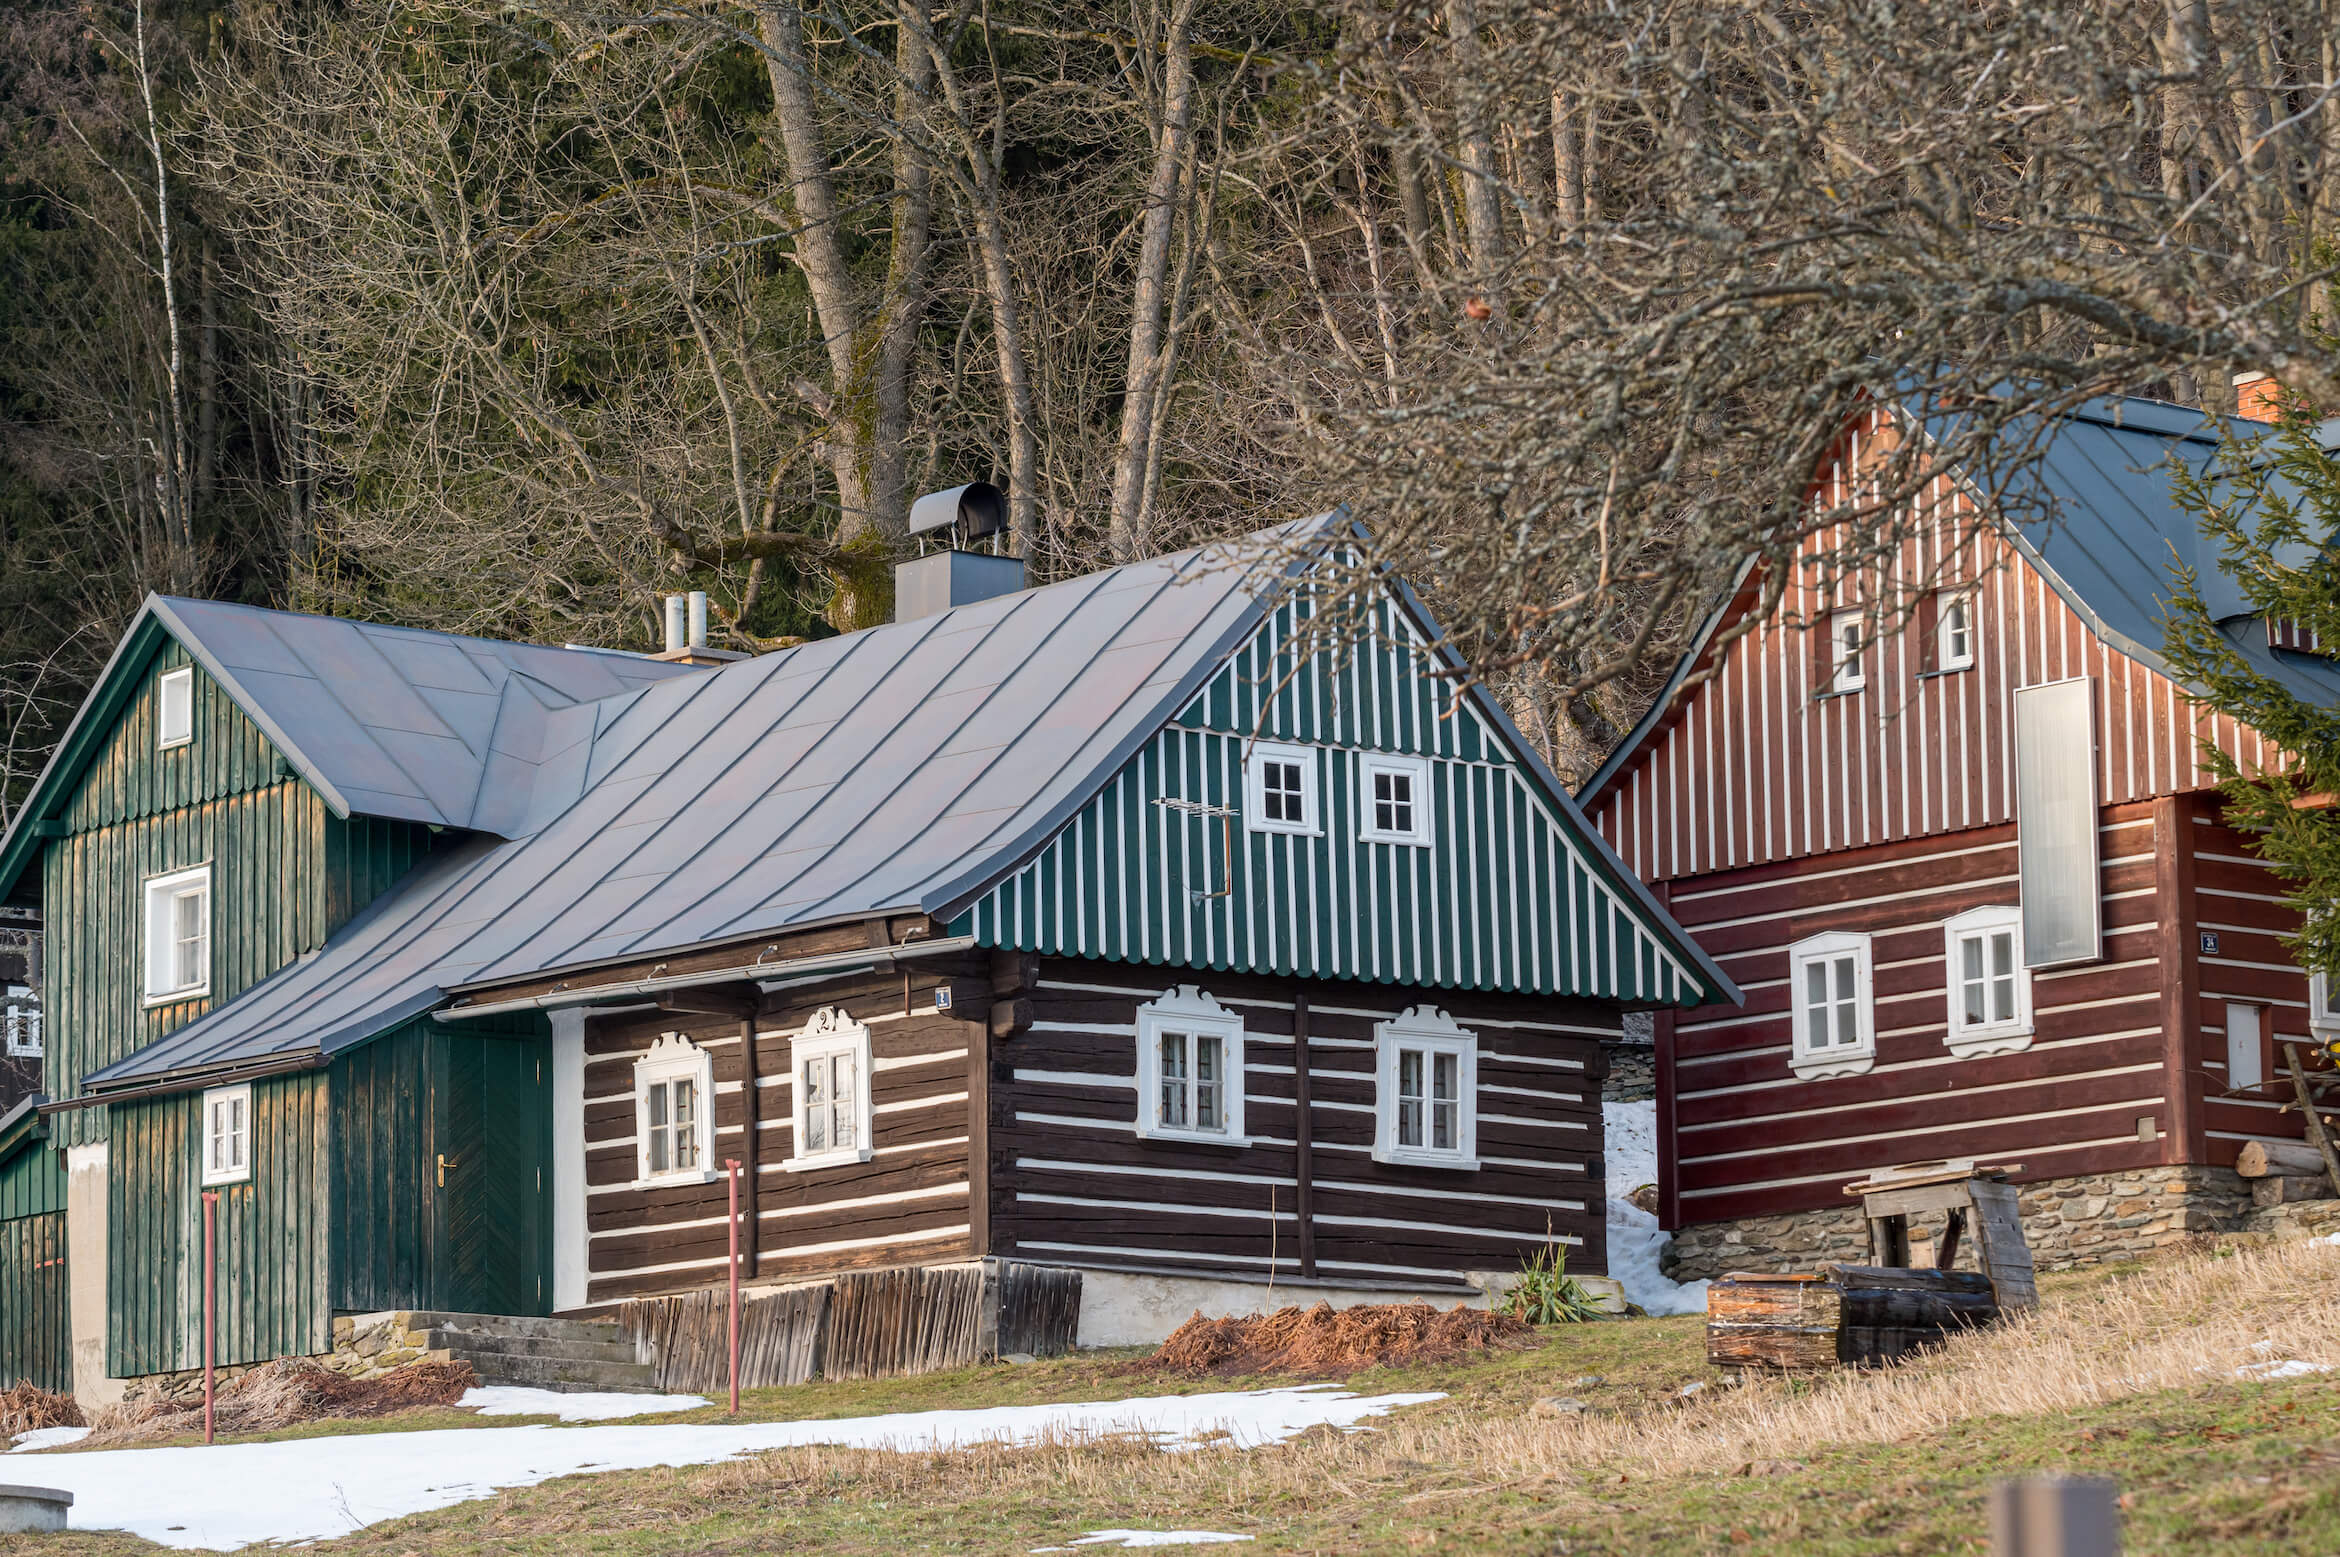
(1632, 1072)
(2069, 1222)
(368, 1345)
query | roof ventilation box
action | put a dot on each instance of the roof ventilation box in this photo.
(960, 519)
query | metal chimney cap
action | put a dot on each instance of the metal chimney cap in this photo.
(971, 512)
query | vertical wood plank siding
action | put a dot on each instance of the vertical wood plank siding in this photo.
(1076, 1184)
(285, 873)
(32, 1183)
(36, 1331)
(907, 1205)
(1754, 765)
(273, 1298)
(1503, 899)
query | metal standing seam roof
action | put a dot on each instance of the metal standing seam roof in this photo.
(890, 770)
(2094, 513)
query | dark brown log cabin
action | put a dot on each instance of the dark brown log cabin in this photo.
(1853, 813)
(1115, 926)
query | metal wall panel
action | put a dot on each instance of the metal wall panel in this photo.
(1505, 898)
(2055, 810)
(272, 1287)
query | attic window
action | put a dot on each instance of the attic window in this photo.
(174, 719)
(1847, 635)
(2285, 632)
(1394, 799)
(1280, 788)
(1954, 630)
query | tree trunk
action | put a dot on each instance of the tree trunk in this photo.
(1482, 201)
(1148, 347)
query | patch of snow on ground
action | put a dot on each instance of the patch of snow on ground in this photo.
(512, 1400)
(1630, 1154)
(47, 1438)
(1147, 1538)
(2289, 1368)
(316, 1489)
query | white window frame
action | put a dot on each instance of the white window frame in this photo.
(239, 1169)
(2008, 1037)
(1854, 1059)
(1431, 1030)
(2323, 1022)
(1961, 601)
(1848, 672)
(1255, 811)
(179, 684)
(1190, 1010)
(156, 898)
(1417, 770)
(673, 1057)
(23, 1023)
(832, 1034)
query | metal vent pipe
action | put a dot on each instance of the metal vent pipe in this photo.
(677, 623)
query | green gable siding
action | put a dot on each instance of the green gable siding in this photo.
(271, 1287)
(285, 873)
(1506, 898)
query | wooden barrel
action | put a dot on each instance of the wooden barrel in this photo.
(1840, 1316)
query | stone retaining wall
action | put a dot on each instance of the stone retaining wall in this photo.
(2077, 1221)
(1632, 1072)
(368, 1345)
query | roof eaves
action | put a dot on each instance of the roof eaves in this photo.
(22, 1125)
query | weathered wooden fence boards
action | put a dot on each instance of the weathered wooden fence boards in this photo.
(862, 1325)
(36, 1335)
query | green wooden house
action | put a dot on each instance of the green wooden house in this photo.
(1117, 926)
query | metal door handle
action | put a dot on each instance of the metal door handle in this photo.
(446, 1162)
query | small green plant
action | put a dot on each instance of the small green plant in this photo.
(1545, 1294)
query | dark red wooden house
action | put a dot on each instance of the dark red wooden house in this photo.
(1970, 873)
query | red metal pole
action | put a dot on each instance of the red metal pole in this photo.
(731, 1166)
(210, 1326)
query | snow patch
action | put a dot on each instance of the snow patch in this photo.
(1630, 1153)
(47, 1438)
(2288, 1368)
(1147, 1538)
(317, 1489)
(512, 1400)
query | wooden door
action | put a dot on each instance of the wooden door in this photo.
(492, 1173)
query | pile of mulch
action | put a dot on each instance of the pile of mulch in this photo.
(28, 1408)
(1325, 1343)
(285, 1393)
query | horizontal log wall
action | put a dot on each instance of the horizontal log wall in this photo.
(2240, 900)
(1074, 1183)
(908, 1205)
(1748, 1138)
(1756, 764)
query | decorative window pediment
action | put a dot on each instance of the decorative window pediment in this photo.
(1988, 987)
(1426, 1094)
(829, 1071)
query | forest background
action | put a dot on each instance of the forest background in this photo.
(511, 316)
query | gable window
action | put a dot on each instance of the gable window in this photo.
(22, 1023)
(1847, 636)
(1393, 800)
(227, 1135)
(178, 935)
(1280, 788)
(1989, 988)
(674, 1114)
(1954, 630)
(1190, 1068)
(174, 719)
(1835, 1026)
(1426, 1091)
(828, 1065)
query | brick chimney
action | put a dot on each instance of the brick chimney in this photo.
(2256, 396)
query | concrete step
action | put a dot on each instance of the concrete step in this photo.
(557, 1374)
(476, 1345)
(512, 1325)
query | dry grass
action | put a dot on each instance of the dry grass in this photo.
(1321, 1342)
(286, 1393)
